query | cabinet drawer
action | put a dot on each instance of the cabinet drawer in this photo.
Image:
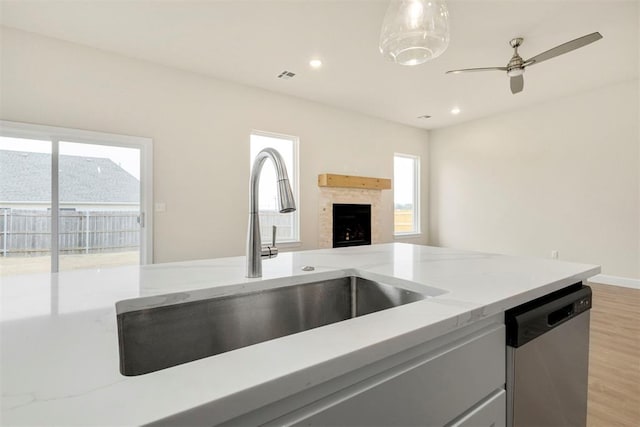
(491, 412)
(429, 390)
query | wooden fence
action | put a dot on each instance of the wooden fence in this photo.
(268, 219)
(403, 220)
(28, 232)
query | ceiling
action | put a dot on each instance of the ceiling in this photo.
(251, 42)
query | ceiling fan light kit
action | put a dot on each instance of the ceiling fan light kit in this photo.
(516, 66)
(414, 31)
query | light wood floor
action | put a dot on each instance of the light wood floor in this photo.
(614, 360)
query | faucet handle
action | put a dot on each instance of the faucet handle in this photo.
(273, 236)
(273, 251)
(270, 251)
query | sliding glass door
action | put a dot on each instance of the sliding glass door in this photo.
(72, 199)
(25, 205)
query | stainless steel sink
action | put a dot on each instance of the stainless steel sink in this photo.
(161, 337)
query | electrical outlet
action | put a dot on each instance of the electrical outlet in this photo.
(554, 254)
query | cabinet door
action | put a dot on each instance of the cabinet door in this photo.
(433, 389)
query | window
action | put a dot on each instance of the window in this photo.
(72, 199)
(406, 194)
(288, 223)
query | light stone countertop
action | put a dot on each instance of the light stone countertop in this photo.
(59, 354)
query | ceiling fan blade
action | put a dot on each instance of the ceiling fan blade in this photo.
(564, 48)
(477, 69)
(517, 84)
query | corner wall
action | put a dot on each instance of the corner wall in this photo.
(200, 128)
(562, 176)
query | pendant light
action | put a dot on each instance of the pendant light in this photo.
(414, 31)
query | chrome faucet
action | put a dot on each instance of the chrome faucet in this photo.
(255, 250)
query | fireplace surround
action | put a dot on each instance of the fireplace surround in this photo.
(329, 196)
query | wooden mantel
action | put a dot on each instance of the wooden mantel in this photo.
(347, 181)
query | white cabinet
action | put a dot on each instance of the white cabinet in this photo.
(457, 382)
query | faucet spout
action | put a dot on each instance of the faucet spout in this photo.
(286, 203)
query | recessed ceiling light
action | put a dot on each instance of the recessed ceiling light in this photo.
(315, 63)
(455, 110)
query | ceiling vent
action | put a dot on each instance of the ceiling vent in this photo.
(286, 75)
(424, 117)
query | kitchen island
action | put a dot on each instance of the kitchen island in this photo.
(60, 362)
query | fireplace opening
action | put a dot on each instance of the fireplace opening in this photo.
(351, 225)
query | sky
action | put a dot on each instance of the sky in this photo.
(127, 158)
(403, 181)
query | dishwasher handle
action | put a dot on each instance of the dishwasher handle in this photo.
(529, 321)
(561, 314)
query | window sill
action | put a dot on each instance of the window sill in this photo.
(407, 235)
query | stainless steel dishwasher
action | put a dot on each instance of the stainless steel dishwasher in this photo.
(548, 359)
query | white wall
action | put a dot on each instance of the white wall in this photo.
(557, 176)
(200, 128)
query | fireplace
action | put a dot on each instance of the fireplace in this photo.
(351, 225)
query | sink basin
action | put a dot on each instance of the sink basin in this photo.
(161, 337)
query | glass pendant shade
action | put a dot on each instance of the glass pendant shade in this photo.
(414, 31)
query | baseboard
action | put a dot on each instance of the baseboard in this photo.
(626, 282)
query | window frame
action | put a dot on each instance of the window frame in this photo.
(293, 175)
(55, 135)
(416, 196)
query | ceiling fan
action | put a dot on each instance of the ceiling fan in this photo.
(516, 66)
